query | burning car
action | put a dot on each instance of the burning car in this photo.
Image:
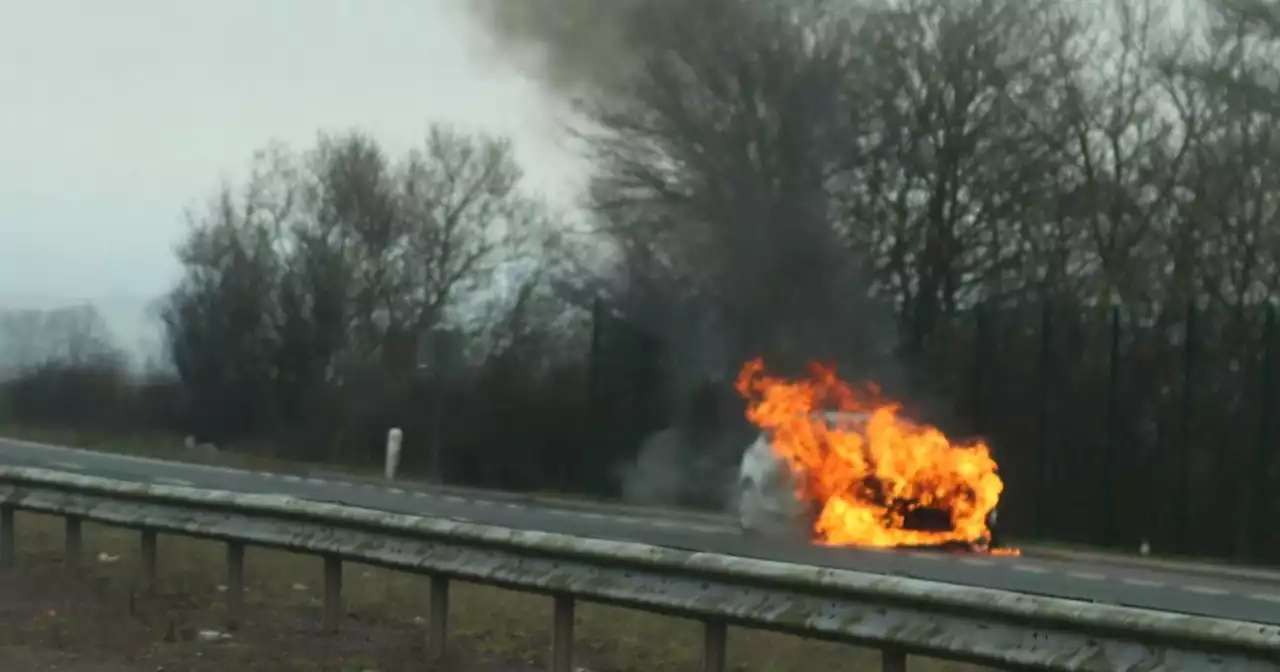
(859, 475)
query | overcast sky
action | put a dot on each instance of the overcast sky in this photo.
(115, 116)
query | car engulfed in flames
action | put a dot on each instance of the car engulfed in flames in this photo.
(840, 466)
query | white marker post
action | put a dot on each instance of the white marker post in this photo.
(394, 437)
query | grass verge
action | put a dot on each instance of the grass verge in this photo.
(99, 615)
(167, 447)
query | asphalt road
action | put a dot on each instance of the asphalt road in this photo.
(1095, 581)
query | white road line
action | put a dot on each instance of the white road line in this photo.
(1145, 583)
(977, 562)
(292, 478)
(70, 466)
(927, 556)
(1205, 590)
(174, 481)
(1031, 569)
(1088, 576)
(1266, 597)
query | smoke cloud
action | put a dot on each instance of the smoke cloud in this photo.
(791, 294)
(590, 51)
(586, 47)
(575, 42)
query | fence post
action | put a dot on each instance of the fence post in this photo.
(438, 623)
(235, 584)
(979, 365)
(1183, 498)
(437, 429)
(893, 660)
(1110, 441)
(1262, 465)
(74, 542)
(332, 592)
(594, 354)
(1042, 417)
(595, 422)
(439, 350)
(8, 536)
(149, 560)
(562, 634)
(715, 646)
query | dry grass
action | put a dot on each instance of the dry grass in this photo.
(490, 630)
(27, 659)
(170, 447)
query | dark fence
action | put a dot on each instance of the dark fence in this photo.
(1114, 426)
(1110, 426)
(628, 376)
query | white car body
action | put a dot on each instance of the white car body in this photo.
(767, 501)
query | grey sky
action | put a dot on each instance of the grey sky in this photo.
(115, 116)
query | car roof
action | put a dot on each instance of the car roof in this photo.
(835, 417)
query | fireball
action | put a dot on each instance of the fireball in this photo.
(873, 479)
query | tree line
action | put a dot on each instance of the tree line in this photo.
(843, 181)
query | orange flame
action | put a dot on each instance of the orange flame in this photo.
(868, 479)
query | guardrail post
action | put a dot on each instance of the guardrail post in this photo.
(235, 584)
(332, 592)
(8, 537)
(715, 646)
(149, 551)
(438, 624)
(562, 634)
(75, 539)
(893, 660)
(392, 458)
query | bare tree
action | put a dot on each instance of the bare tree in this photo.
(715, 161)
(71, 336)
(464, 216)
(306, 291)
(1125, 149)
(1227, 90)
(957, 177)
(221, 318)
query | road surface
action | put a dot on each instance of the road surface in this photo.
(1091, 580)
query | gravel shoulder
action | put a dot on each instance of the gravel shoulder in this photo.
(99, 621)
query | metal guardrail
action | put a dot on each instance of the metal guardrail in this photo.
(1030, 548)
(899, 616)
